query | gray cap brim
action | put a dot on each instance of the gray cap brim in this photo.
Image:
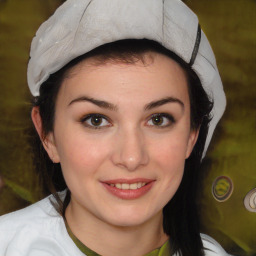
(78, 26)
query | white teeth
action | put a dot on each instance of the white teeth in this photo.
(134, 186)
(126, 186)
(118, 185)
(139, 185)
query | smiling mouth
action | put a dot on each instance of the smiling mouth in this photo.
(126, 186)
(128, 189)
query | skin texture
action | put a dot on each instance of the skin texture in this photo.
(128, 144)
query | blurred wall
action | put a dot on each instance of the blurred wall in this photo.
(19, 21)
(230, 26)
(231, 29)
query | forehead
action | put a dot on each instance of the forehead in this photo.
(152, 73)
(141, 58)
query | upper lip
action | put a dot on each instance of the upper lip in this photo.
(128, 181)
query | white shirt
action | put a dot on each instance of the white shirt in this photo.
(38, 230)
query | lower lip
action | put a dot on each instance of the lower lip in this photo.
(129, 194)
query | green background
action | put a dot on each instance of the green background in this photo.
(231, 28)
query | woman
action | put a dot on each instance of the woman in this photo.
(123, 98)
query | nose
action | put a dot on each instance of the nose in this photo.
(130, 151)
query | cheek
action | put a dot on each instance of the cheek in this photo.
(169, 158)
(172, 168)
(81, 154)
(171, 151)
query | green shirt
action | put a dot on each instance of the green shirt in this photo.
(164, 250)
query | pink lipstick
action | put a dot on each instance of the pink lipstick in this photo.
(128, 188)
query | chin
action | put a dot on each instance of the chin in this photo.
(128, 222)
(128, 218)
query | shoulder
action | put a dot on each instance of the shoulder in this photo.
(212, 247)
(31, 215)
(17, 225)
(34, 230)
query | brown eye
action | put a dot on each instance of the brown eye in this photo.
(95, 121)
(157, 120)
(161, 120)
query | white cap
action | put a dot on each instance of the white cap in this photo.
(78, 26)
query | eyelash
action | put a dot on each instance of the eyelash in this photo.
(170, 120)
(85, 119)
(91, 126)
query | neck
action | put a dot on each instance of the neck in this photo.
(107, 239)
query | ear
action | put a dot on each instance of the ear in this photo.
(192, 141)
(48, 140)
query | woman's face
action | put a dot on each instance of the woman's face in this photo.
(122, 134)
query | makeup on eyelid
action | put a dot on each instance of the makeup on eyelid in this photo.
(158, 120)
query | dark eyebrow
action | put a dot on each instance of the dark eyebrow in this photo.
(110, 106)
(99, 103)
(163, 101)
